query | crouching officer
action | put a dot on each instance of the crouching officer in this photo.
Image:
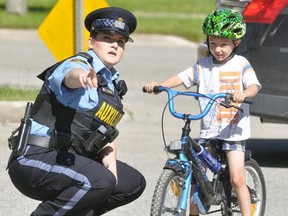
(64, 152)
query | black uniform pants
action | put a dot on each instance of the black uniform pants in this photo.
(70, 184)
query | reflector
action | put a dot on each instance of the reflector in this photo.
(264, 11)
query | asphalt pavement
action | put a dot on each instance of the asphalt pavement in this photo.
(150, 57)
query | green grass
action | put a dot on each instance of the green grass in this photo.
(167, 6)
(183, 27)
(10, 94)
(182, 18)
(37, 11)
(170, 17)
(175, 17)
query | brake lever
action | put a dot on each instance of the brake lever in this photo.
(228, 100)
(230, 106)
(236, 107)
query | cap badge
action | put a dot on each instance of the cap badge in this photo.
(119, 23)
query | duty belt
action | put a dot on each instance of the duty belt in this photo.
(35, 141)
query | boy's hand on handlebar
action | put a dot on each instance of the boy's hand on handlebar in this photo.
(149, 87)
(239, 96)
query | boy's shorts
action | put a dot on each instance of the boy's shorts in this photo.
(226, 145)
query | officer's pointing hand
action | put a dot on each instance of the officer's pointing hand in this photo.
(89, 79)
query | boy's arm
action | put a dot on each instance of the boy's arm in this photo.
(249, 92)
(171, 83)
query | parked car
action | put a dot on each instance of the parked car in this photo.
(265, 45)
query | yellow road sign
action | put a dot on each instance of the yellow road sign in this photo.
(58, 29)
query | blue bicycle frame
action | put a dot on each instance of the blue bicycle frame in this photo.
(182, 163)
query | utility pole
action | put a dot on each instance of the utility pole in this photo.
(78, 24)
(18, 7)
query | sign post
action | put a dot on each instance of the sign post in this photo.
(79, 36)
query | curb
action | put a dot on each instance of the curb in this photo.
(11, 111)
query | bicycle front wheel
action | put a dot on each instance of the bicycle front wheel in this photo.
(257, 188)
(167, 195)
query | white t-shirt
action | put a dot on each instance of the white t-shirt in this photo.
(237, 74)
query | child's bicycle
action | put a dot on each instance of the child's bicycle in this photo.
(172, 191)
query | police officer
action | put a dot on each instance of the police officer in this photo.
(69, 160)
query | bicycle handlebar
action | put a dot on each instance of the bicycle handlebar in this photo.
(212, 99)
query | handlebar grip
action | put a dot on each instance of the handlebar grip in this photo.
(155, 89)
(143, 89)
(248, 101)
(229, 98)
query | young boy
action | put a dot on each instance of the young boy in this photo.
(223, 71)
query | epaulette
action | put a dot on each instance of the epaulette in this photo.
(46, 73)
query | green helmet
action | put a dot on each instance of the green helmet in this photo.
(224, 23)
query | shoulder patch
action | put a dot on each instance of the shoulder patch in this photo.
(78, 60)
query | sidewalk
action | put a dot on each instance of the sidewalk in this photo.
(140, 141)
(24, 55)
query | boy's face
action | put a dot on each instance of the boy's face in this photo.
(221, 48)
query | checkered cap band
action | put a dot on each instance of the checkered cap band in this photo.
(101, 24)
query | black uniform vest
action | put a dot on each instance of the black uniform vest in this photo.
(71, 128)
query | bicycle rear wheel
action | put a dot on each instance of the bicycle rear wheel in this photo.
(257, 188)
(167, 194)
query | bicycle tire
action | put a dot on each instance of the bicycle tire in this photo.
(167, 194)
(257, 188)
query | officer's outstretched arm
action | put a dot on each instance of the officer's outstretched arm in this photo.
(78, 78)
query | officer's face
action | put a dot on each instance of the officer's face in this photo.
(108, 47)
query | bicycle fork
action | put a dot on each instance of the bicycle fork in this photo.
(187, 163)
(183, 168)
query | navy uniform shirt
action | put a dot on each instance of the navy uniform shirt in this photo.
(79, 99)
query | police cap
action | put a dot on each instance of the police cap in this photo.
(111, 19)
